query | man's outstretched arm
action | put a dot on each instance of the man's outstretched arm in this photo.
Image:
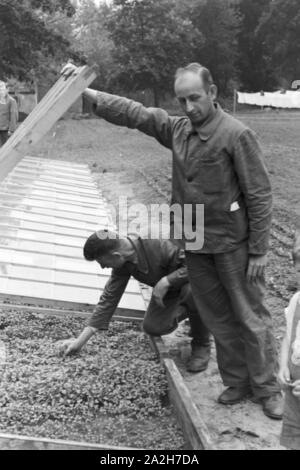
(102, 314)
(121, 111)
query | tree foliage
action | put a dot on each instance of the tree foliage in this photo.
(91, 38)
(138, 44)
(279, 31)
(52, 6)
(219, 22)
(26, 44)
(255, 70)
(150, 41)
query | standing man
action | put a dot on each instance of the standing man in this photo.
(218, 162)
(159, 264)
(8, 114)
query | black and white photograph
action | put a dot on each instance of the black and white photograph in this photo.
(149, 228)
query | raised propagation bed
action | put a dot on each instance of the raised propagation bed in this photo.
(113, 393)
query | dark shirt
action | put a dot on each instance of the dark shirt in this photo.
(155, 259)
(218, 165)
(8, 114)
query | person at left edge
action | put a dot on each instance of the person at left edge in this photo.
(8, 114)
(159, 264)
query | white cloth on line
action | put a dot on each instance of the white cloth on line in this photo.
(289, 99)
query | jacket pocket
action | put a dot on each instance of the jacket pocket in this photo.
(237, 223)
(212, 176)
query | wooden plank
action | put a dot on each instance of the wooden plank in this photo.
(20, 170)
(54, 185)
(40, 201)
(87, 219)
(32, 117)
(137, 317)
(21, 227)
(66, 306)
(131, 292)
(22, 127)
(6, 229)
(194, 428)
(57, 106)
(87, 227)
(41, 108)
(47, 177)
(159, 347)
(43, 117)
(16, 442)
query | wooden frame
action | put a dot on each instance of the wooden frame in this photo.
(193, 427)
(120, 315)
(15, 442)
(54, 104)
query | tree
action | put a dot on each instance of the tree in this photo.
(150, 42)
(52, 6)
(91, 38)
(279, 30)
(219, 23)
(254, 65)
(27, 46)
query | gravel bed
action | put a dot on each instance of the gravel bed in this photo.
(114, 392)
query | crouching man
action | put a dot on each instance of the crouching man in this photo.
(159, 264)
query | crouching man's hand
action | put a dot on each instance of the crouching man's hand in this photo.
(160, 290)
(68, 347)
(73, 346)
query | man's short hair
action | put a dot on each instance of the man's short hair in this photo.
(199, 69)
(100, 243)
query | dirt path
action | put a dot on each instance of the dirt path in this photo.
(126, 163)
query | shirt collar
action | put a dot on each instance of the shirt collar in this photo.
(208, 127)
(141, 259)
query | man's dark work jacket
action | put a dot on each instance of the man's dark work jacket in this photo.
(155, 259)
(219, 165)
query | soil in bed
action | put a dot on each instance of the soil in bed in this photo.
(114, 392)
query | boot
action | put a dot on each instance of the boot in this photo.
(232, 395)
(273, 406)
(199, 358)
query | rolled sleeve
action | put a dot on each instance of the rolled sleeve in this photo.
(154, 122)
(108, 302)
(256, 187)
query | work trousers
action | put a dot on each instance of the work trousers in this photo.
(3, 137)
(233, 311)
(179, 304)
